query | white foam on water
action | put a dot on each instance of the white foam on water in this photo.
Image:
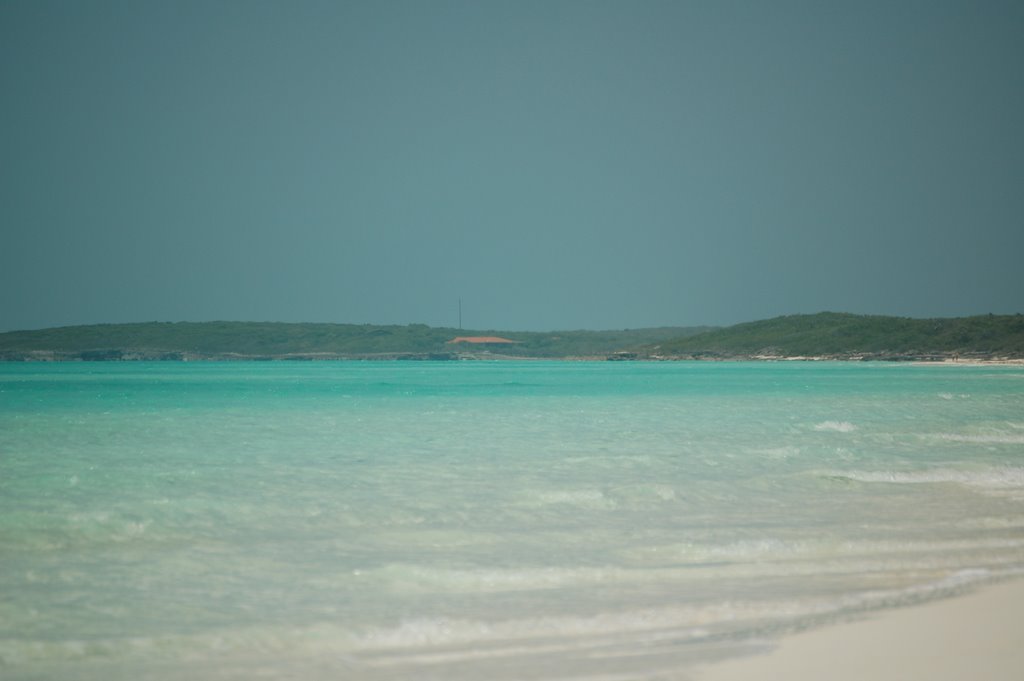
(684, 620)
(835, 427)
(582, 498)
(813, 552)
(993, 438)
(663, 492)
(318, 639)
(777, 453)
(420, 578)
(444, 639)
(1003, 477)
(678, 622)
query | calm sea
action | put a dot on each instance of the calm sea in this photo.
(484, 520)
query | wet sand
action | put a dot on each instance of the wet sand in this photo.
(979, 636)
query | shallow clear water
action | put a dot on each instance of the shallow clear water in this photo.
(484, 520)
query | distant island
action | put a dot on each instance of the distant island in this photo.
(826, 335)
(832, 335)
(281, 341)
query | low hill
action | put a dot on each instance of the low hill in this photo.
(268, 340)
(831, 334)
(827, 334)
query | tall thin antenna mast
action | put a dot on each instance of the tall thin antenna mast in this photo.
(460, 314)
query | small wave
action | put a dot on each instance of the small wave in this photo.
(592, 499)
(414, 578)
(674, 623)
(805, 556)
(775, 452)
(835, 427)
(1006, 477)
(322, 641)
(999, 439)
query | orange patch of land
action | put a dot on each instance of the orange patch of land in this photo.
(481, 339)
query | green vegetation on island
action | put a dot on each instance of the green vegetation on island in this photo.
(849, 336)
(827, 334)
(269, 340)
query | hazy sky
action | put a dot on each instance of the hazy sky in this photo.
(555, 164)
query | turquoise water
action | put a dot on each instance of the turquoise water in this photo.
(484, 520)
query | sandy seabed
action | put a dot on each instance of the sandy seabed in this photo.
(978, 636)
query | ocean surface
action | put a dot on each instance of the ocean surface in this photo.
(484, 520)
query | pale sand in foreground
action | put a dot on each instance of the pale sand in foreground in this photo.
(979, 636)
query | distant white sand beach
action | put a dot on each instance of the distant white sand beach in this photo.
(1007, 361)
(975, 636)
